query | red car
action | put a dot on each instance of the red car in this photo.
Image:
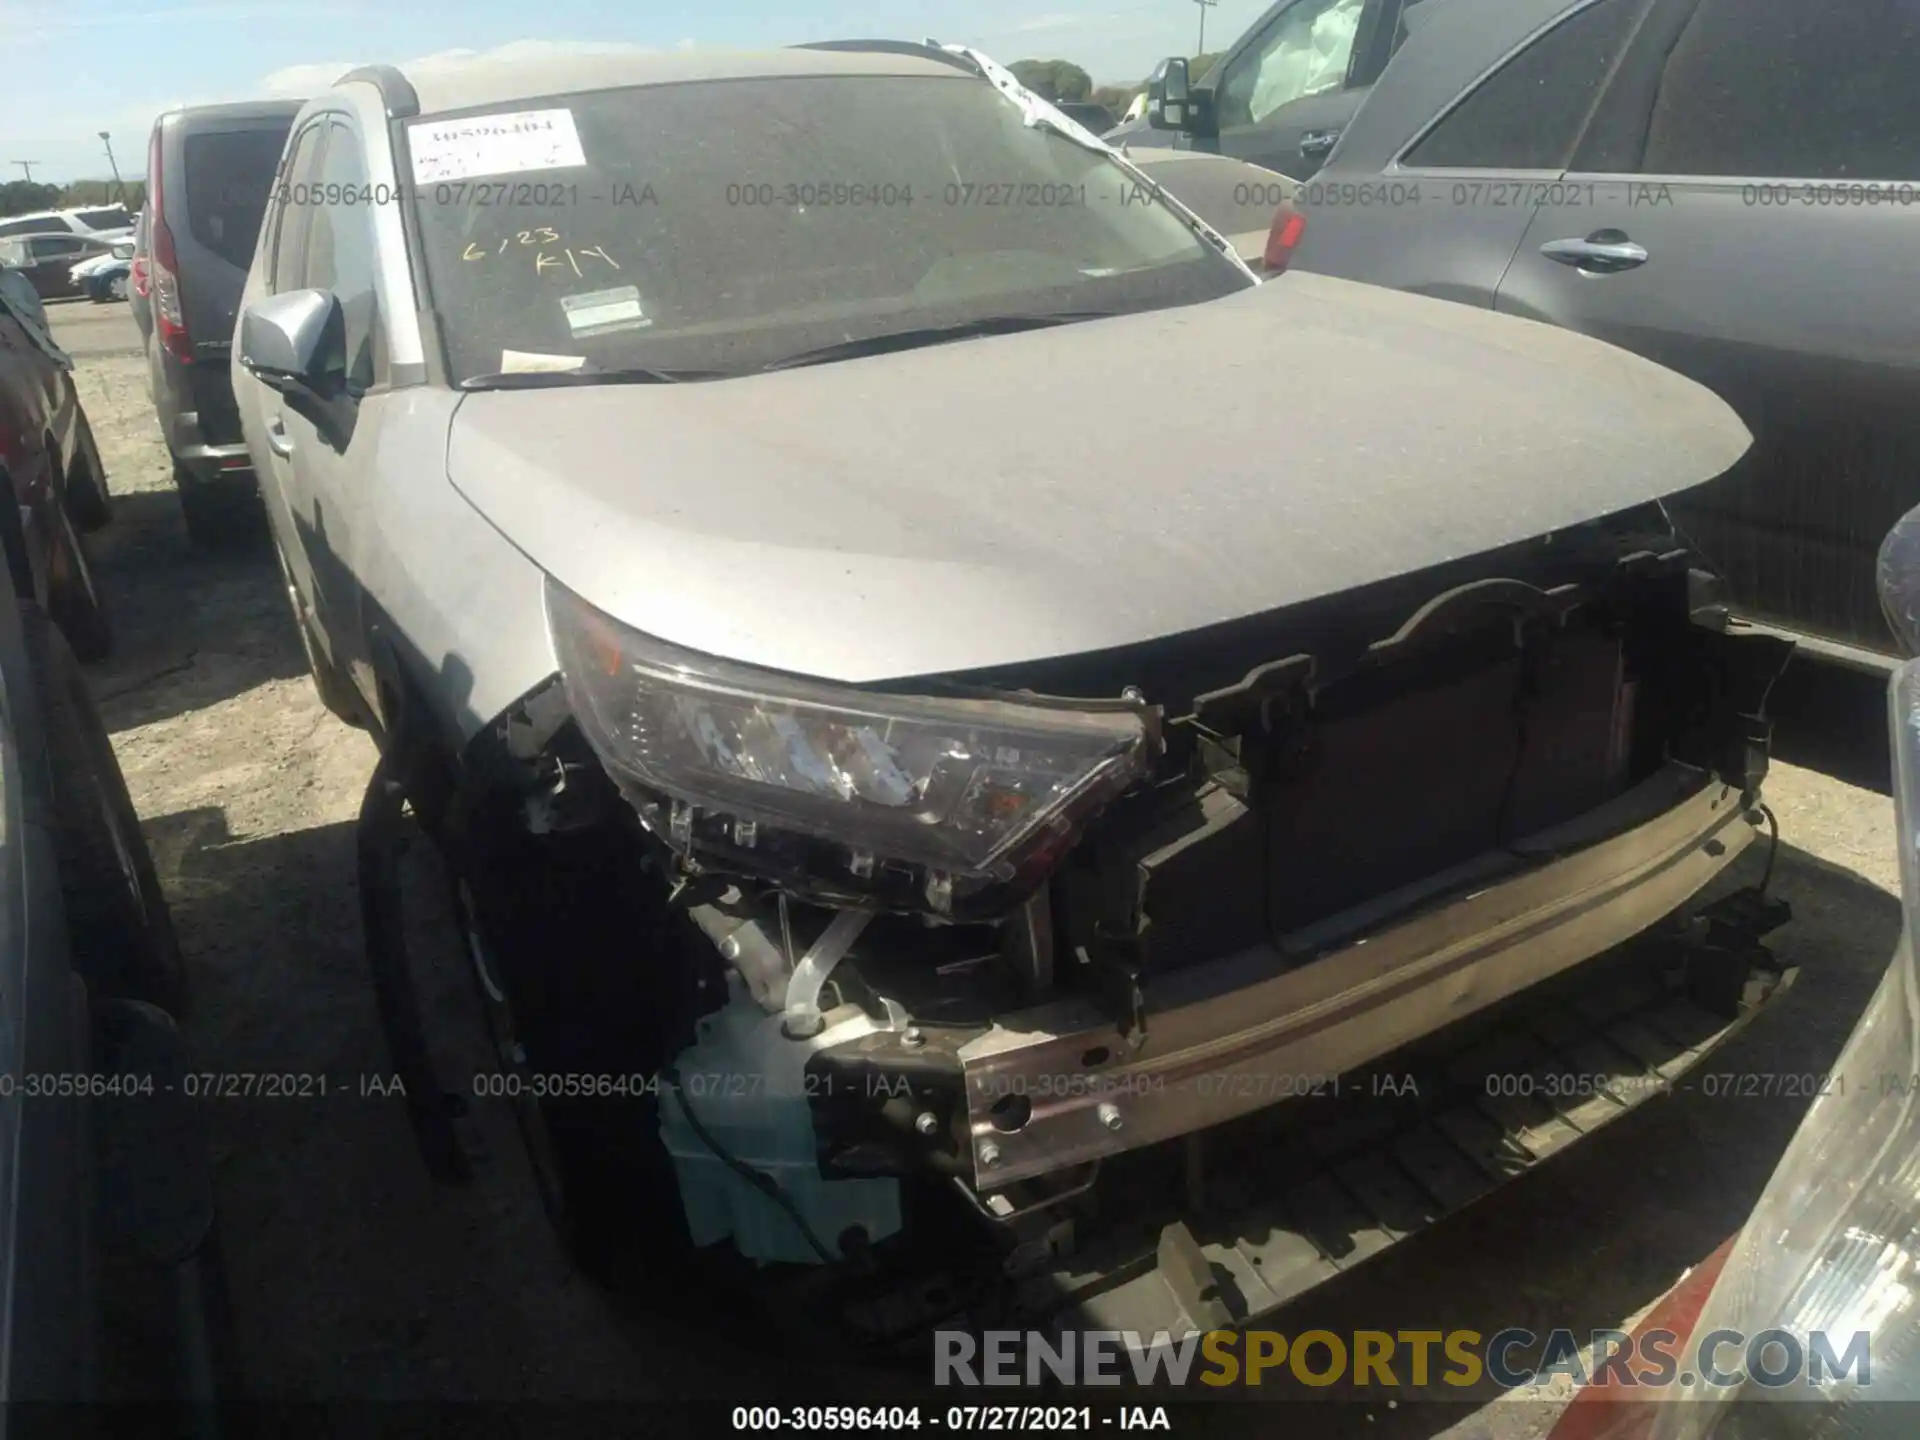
(51, 466)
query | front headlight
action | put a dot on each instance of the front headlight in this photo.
(968, 789)
(1833, 1248)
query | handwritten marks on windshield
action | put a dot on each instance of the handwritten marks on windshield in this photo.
(545, 248)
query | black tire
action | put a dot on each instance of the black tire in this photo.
(74, 598)
(220, 515)
(117, 919)
(88, 500)
(559, 920)
(340, 698)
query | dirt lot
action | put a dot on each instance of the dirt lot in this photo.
(354, 1278)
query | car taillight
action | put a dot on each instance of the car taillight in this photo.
(1288, 226)
(163, 266)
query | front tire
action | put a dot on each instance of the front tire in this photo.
(552, 924)
(117, 919)
(88, 500)
(73, 595)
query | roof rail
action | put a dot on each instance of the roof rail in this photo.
(396, 91)
(926, 49)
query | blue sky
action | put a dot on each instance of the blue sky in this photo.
(76, 67)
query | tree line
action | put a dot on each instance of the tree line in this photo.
(1064, 80)
(23, 197)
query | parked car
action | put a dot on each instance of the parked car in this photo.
(1247, 204)
(208, 169)
(47, 261)
(105, 277)
(140, 284)
(1831, 1235)
(112, 1290)
(1283, 92)
(86, 220)
(58, 487)
(829, 771)
(1619, 169)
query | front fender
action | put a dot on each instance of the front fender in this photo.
(455, 613)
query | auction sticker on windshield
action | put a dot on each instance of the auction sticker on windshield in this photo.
(494, 145)
(604, 310)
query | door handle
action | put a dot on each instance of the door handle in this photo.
(1605, 252)
(1317, 143)
(278, 440)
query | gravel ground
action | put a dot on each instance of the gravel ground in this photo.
(354, 1278)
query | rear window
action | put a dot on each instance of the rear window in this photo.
(228, 174)
(114, 217)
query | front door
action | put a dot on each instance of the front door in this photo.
(330, 445)
(1287, 89)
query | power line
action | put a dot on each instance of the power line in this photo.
(27, 165)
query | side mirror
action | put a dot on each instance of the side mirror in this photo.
(1169, 95)
(296, 344)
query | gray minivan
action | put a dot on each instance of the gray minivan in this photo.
(209, 168)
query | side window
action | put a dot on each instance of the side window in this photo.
(340, 255)
(1766, 88)
(291, 214)
(1528, 114)
(1305, 51)
(58, 247)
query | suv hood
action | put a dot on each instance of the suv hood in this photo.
(1013, 498)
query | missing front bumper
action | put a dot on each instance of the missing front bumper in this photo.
(1061, 1085)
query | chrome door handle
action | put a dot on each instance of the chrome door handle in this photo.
(1596, 257)
(278, 440)
(1316, 143)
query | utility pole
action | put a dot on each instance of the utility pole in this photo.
(113, 165)
(1201, 47)
(27, 165)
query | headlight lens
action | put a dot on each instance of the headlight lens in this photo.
(1833, 1246)
(963, 787)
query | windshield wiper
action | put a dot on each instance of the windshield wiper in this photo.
(1039, 115)
(923, 335)
(554, 379)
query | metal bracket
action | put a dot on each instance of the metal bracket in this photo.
(1185, 1268)
(1115, 965)
(1232, 709)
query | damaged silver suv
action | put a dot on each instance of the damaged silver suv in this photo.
(906, 806)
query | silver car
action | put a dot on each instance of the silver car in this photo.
(900, 800)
